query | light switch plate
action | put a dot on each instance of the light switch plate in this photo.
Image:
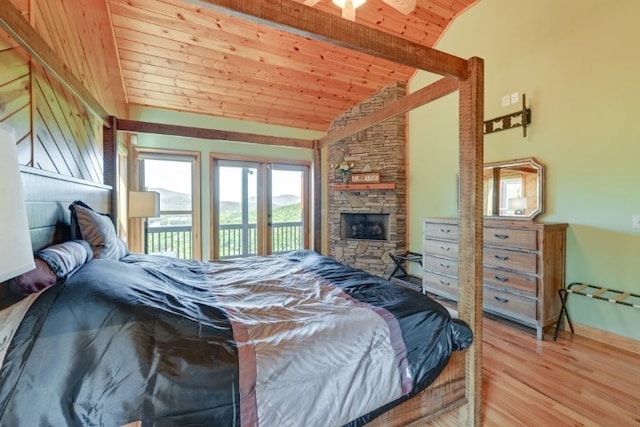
(636, 221)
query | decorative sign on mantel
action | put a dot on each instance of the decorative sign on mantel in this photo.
(365, 178)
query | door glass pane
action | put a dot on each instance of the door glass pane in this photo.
(287, 226)
(171, 233)
(237, 211)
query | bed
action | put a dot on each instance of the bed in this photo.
(296, 339)
(459, 382)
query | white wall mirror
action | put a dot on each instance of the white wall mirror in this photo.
(514, 189)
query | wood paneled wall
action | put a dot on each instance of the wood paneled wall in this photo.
(81, 35)
(55, 131)
(15, 99)
(67, 137)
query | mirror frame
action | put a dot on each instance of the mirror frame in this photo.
(529, 161)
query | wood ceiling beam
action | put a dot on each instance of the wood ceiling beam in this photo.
(442, 87)
(317, 25)
(202, 133)
(12, 21)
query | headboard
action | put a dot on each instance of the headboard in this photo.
(47, 198)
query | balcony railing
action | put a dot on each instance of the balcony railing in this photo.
(173, 240)
(240, 240)
(236, 240)
(286, 236)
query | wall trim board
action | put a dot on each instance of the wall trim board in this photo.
(34, 171)
(606, 337)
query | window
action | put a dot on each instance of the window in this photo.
(175, 177)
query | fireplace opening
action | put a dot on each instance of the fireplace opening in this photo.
(364, 226)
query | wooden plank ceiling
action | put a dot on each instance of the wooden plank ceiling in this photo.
(185, 57)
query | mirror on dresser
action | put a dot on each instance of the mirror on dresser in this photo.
(514, 188)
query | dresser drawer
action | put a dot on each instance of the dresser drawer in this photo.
(440, 284)
(512, 260)
(440, 231)
(441, 265)
(441, 248)
(514, 305)
(510, 281)
(525, 239)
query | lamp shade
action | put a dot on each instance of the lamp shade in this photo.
(517, 203)
(16, 254)
(144, 204)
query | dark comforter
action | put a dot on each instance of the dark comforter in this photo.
(297, 339)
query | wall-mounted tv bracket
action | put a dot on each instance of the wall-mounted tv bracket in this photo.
(509, 121)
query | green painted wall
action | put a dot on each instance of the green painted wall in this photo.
(206, 147)
(577, 62)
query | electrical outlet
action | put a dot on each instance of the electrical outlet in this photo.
(636, 221)
(515, 98)
(506, 101)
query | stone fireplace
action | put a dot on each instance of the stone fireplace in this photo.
(367, 223)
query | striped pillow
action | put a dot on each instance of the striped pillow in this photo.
(98, 230)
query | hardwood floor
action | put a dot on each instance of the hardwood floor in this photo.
(574, 381)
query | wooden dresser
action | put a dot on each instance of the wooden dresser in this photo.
(523, 267)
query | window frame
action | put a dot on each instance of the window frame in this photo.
(263, 165)
(136, 225)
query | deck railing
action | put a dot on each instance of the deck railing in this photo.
(236, 240)
(286, 236)
(174, 240)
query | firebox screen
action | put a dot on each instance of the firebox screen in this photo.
(364, 226)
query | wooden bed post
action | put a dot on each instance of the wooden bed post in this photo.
(316, 221)
(110, 165)
(470, 223)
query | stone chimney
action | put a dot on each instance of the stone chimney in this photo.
(382, 149)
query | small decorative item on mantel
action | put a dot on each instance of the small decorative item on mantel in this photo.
(365, 178)
(344, 167)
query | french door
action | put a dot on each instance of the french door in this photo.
(258, 208)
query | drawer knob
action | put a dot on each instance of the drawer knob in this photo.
(501, 278)
(444, 248)
(502, 300)
(501, 257)
(501, 236)
(444, 265)
(442, 282)
(445, 230)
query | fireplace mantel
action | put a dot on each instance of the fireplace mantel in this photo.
(360, 187)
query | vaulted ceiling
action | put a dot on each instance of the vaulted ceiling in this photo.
(186, 56)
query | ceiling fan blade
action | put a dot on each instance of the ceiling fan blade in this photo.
(403, 6)
(311, 2)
